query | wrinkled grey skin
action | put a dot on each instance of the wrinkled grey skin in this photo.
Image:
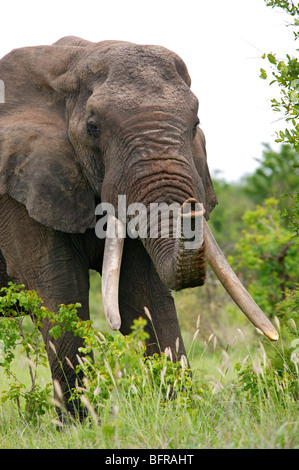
(83, 122)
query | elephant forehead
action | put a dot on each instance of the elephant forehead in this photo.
(138, 76)
(141, 95)
(129, 63)
(134, 61)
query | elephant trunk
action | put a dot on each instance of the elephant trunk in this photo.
(184, 265)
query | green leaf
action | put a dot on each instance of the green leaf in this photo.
(271, 58)
(263, 74)
(282, 67)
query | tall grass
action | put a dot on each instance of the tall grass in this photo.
(238, 398)
(218, 416)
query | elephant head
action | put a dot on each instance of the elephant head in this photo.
(86, 122)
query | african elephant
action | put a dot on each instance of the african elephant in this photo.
(83, 123)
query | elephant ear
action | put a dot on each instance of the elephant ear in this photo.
(37, 161)
(207, 193)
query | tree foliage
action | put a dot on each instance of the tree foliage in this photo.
(267, 254)
(264, 242)
(273, 177)
(286, 76)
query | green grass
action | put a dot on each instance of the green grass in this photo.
(238, 401)
(219, 416)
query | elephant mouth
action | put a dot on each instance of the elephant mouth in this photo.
(204, 243)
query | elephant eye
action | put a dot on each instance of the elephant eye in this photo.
(93, 129)
(195, 127)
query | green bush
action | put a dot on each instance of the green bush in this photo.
(120, 362)
(141, 401)
(32, 400)
(120, 370)
(268, 256)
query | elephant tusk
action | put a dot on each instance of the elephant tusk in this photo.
(111, 269)
(234, 287)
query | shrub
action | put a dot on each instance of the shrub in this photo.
(120, 362)
(32, 400)
(267, 254)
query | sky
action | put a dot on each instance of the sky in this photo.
(220, 41)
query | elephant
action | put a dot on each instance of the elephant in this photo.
(81, 124)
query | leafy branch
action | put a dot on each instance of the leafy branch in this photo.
(286, 76)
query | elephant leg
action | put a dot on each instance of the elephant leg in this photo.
(140, 286)
(4, 278)
(53, 264)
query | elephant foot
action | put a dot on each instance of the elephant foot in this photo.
(71, 412)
